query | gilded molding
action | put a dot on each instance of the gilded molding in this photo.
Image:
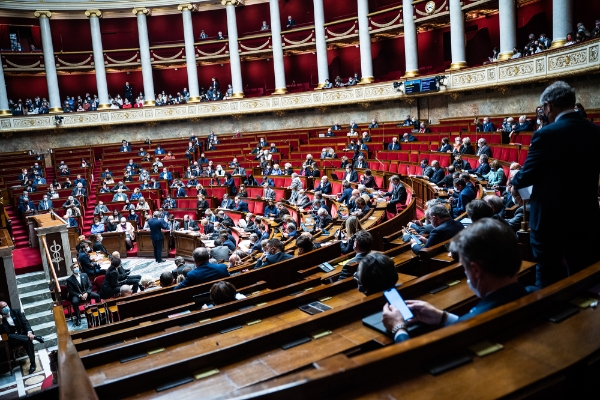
(187, 6)
(234, 3)
(42, 13)
(142, 10)
(93, 13)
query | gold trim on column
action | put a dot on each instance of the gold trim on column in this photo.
(56, 110)
(194, 99)
(93, 13)
(234, 3)
(507, 55)
(366, 80)
(411, 74)
(187, 6)
(558, 43)
(149, 103)
(280, 91)
(457, 66)
(103, 106)
(237, 95)
(42, 13)
(142, 10)
(320, 86)
(5, 112)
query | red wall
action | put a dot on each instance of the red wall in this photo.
(250, 18)
(23, 87)
(120, 33)
(166, 29)
(71, 34)
(302, 11)
(339, 9)
(211, 21)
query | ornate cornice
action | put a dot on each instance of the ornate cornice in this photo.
(142, 10)
(188, 6)
(93, 13)
(42, 13)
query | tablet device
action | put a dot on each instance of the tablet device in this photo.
(394, 298)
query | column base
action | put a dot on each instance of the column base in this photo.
(458, 65)
(411, 74)
(280, 91)
(507, 55)
(366, 80)
(320, 86)
(149, 103)
(103, 106)
(194, 99)
(56, 110)
(4, 113)
(239, 95)
(558, 43)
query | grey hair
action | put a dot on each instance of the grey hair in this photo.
(156, 214)
(559, 94)
(439, 211)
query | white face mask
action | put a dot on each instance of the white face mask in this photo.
(473, 288)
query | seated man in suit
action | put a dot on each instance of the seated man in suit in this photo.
(524, 125)
(465, 195)
(45, 204)
(394, 145)
(120, 196)
(487, 125)
(274, 254)
(444, 228)
(18, 330)
(206, 228)
(227, 203)
(169, 202)
(483, 148)
(363, 243)
(79, 288)
(98, 247)
(324, 186)
(86, 264)
(397, 195)
(492, 276)
(483, 168)
(203, 271)
(79, 191)
(407, 137)
(240, 205)
(189, 224)
(101, 208)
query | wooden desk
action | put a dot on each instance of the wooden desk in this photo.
(186, 243)
(145, 247)
(115, 241)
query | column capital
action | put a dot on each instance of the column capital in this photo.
(188, 6)
(42, 13)
(234, 3)
(93, 13)
(142, 10)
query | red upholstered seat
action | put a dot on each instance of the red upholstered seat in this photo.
(97, 283)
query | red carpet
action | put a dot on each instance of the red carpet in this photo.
(27, 260)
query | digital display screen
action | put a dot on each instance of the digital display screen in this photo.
(429, 85)
(412, 86)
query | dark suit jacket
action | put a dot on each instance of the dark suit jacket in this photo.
(393, 146)
(21, 324)
(397, 195)
(443, 232)
(272, 259)
(204, 272)
(86, 262)
(99, 247)
(75, 289)
(241, 206)
(156, 225)
(438, 176)
(484, 150)
(489, 127)
(208, 229)
(48, 205)
(569, 135)
(325, 189)
(191, 225)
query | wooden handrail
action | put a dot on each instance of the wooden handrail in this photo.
(49, 258)
(73, 380)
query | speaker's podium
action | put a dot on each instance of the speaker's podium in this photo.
(51, 229)
(186, 242)
(145, 247)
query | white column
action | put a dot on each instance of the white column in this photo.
(457, 35)
(99, 70)
(234, 53)
(190, 52)
(4, 110)
(322, 62)
(141, 13)
(49, 62)
(508, 28)
(280, 87)
(364, 36)
(562, 22)
(410, 40)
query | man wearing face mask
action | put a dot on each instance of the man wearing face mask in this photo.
(363, 243)
(45, 204)
(274, 254)
(89, 267)
(491, 275)
(16, 326)
(79, 288)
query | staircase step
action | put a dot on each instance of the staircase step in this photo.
(44, 329)
(38, 306)
(34, 296)
(32, 286)
(40, 317)
(31, 277)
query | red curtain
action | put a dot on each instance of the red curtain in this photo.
(36, 37)
(4, 37)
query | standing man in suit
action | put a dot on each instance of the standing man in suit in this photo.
(156, 226)
(566, 133)
(16, 326)
(79, 288)
(128, 92)
(204, 271)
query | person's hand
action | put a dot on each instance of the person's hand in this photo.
(425, 312)
(30, 335)
(417, 222)
(422, 238)
(391, 317)
(413, 242)
(84, 296)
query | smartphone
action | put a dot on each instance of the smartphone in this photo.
(394, 298)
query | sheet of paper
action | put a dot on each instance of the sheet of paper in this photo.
(525, 193)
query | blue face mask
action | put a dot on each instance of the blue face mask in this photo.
(6, 310)
(76, 271)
